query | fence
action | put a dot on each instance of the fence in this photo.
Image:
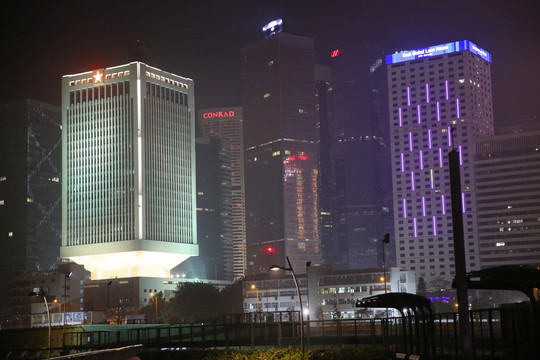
(503, 333)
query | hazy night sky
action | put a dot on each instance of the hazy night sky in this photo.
(43, 40)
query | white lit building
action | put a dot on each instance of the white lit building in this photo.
(128, 179)
(431, 91)
(508, 194)
(331, 293)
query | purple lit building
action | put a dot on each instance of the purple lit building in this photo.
(431, 91)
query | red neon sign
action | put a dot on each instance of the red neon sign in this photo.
(297, 157)
(334, 53)
(218, 114)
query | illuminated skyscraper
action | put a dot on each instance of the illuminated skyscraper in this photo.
(128, 179)
(431, 91)
(281, 152)
(226, 123)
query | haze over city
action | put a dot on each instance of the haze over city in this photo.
(202, 40)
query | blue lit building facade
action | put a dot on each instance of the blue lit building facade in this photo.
(432, 91)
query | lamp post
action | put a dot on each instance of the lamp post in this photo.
(308, 264)
(59, 305)
(386, 240)
(66, 276)
(253, 287)
(154, 296)
(41, 293)
(108, 299)
(275, 268)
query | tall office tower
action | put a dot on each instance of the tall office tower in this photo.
(432, 91)
(226, 123)
(323, 79)
(281, 152)
(214, 225)
(507, 169)
(360, 164)
(30, 190)
(128, 179)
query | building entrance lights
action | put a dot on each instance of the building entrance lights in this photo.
(276, 268)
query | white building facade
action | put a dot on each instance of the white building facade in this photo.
(439, 99)
(330, 294)
(128, 179)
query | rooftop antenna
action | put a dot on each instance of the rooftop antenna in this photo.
(139, 53)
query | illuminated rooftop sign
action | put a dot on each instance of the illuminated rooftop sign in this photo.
(218, 114)
(272, 28)
(447, 48)
(98, 77)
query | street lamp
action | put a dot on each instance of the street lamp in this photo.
(59, 305)
(277, 267)
(308, 264)
(154, 296)
(386, 240)
(253, 287)
(66, 276)
(42, 293)
(108, 298)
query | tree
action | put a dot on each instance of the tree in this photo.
(149, 310)
(195, 302)
(231, 299)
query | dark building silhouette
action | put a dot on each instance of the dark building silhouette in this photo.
(281, 152)
(323, 80)
(30, 189)
(361, 190)
(213, 204)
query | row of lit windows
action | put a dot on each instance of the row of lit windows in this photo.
(167, 80)
(90, 80)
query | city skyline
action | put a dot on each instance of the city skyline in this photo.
(203, 41)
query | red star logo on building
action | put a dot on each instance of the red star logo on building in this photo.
(98, 77)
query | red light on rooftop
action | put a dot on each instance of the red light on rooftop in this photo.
(334, 53)
(269, 250)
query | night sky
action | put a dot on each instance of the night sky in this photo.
(43, 40)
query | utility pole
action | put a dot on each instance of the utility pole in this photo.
(459, 256)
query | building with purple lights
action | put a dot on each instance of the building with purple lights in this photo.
(432, 91)
(280, 153)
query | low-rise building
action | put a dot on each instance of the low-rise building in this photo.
(326, 293)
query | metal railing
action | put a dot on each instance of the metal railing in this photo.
(502, 333)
